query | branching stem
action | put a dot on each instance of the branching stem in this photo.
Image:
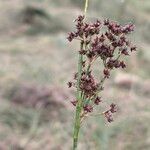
(79, 107)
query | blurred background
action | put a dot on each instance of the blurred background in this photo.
(36, 62)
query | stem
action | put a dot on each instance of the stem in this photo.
(88, 69)
(86, 6)
(79, 103)
(79, 107)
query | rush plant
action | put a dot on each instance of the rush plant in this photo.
(105, 40)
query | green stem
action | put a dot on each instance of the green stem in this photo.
(79, 103)
(86, 6)
(79, 107)
(88, 69)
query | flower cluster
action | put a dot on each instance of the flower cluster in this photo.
(108, 113)
(84, 29)
(88, 85)
(106, 40)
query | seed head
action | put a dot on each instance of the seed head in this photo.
(105, 40)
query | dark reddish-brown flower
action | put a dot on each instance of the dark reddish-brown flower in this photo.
(108, 116)
(74, 103)
(110, 36)
(133, 48)
(106, 73)
(88, 84)
(122, 64)
(97, 100)
(124, 51)
(70, 84)
(88, 108)
(101, 38)
(128, 28)
(71, 36)
(82, 52)
(113, 108)
(105, 40)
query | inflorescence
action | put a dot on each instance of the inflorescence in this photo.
(108, 41)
